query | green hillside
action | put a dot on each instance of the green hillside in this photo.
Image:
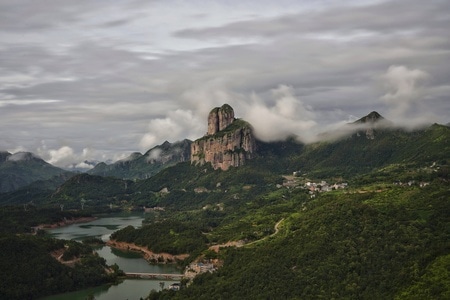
(356, 154)
(344, 246)
(94, 191)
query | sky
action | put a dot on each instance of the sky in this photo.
(100, 79)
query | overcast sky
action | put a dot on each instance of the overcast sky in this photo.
(99, 79)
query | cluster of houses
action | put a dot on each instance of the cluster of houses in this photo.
(197, 268)
(323, 186)
(312, 187)
(411, 183)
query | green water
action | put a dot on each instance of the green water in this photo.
(127, 261)
(131, 289)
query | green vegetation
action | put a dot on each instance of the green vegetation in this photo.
(42, 274)
(21, 219)
(375, 245)
(23, 168)
(29, 270)
(166, 236)
(386, 236)
(148, 164)
(433, 284)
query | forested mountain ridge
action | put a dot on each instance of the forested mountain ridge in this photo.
(349, 156)
(141, 166)
(23, 168)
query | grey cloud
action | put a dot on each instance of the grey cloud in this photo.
(38, 15)
(114, 97)
(386, 18)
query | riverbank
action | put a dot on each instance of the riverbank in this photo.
(147, 254)
(66, 222)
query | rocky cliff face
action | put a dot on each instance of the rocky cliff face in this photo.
(228, 142)
(220, 118)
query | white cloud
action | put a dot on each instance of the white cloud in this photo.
(288, 116)
(27, 102)
(406, 95)
(178, 125)
(404, 87)
(61, 156)
(67, 157)
(154, 154)
(84, 166)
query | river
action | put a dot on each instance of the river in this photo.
(127, 261)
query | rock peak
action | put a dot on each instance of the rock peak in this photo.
(370, 118)
(229, 142)
(220, 118)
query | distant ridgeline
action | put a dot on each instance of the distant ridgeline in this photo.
(145, 165)
(23, 168)
(229, 142)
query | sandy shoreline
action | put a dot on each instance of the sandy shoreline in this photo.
(147, 253)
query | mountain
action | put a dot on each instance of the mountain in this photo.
(368, 125)
(384, 235)
(139, 166)
(358, 153)
(22, 168)
(229, 142)
(372, 118)
(96, 191)
(83, 166)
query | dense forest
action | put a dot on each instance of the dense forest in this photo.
(375, 245)
(29, 270)
(29, 261)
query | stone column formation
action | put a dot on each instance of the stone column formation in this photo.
(223, 147)
(220, 118)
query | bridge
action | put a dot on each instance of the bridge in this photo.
(154, 276)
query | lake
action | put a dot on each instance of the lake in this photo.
(127, 261)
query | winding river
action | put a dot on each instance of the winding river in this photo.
(127, 261)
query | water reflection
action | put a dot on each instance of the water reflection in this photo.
(128, 289)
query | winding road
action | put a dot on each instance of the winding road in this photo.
(239, 244)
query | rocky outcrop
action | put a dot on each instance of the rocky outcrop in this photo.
(369, 123)
(229, 142)
(220, 118)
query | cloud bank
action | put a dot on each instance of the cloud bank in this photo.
(122, 77)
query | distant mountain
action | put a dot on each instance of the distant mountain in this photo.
(371, 118)
(138, 166)
(22, 168)
(83, 166)
(95, 190)
(375, 148)
(368, 125)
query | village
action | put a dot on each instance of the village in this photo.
(294, 181)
